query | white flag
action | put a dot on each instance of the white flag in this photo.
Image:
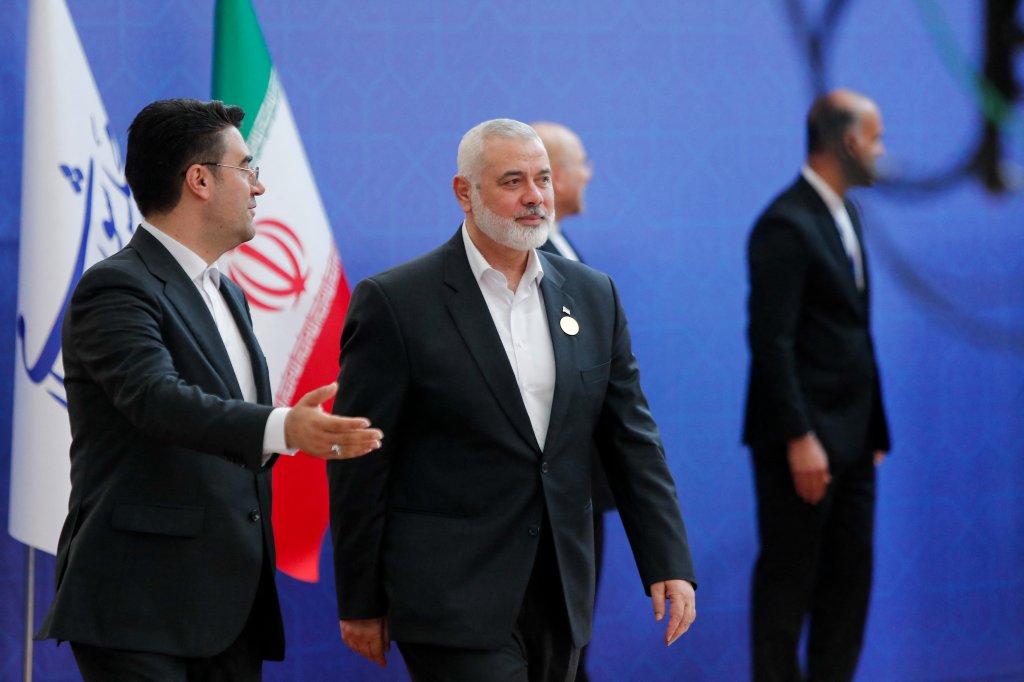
(75, 210)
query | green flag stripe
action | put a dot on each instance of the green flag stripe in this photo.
(241, 61)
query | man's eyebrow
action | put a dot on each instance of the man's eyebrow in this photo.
(518, 173)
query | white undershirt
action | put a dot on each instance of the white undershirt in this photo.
(842, 220)
(207, 282)
(522, 324)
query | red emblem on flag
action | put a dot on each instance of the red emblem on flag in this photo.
(270, 268)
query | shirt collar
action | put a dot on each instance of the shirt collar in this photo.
(827, 194)
(191, 262)
(479, 265)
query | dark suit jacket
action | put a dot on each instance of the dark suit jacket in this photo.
(168, 522)
(600, 490)
(812, 358)
(438, 529)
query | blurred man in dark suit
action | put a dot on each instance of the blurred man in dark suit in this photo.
(571, 171)
(815, 422)
(165, 564)
(499, 373)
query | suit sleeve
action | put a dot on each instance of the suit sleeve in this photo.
(372, 382)
(777, 257)
(630, 447)
(115, 331)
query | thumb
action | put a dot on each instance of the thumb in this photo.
(658, 600)
(318, 396)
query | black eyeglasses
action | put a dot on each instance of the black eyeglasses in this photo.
(254, 173)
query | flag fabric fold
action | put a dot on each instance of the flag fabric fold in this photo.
(291, 272)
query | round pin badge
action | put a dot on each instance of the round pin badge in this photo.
(569, 326)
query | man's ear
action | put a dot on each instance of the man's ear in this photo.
(197, 181)
(463, 189)
(849, 146)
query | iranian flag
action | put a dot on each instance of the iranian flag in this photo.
(290, 271)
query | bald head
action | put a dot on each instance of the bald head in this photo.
(844, 138)
(832, 116)
(569, 166)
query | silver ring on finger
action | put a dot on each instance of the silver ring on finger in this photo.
(336, 450)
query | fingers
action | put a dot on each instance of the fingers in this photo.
(375, 650)
(683, 612)
(368, 638)
(318, 396)
(811, 485)
(328, 436)
(808, 462)
(658, 600)
(682, 606)
(351, 437)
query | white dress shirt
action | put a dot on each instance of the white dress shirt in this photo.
(207, 281)
(522, 324)
(561, 244)
(842, 220)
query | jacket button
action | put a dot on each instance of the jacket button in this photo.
(534, 531)
(544, 467)
(254, 515)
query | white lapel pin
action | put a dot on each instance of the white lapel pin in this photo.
(568, 324)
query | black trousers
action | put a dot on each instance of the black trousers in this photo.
(539, 649)
(815, 563)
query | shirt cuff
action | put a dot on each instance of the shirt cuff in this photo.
(273, 434)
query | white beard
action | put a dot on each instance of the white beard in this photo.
(506, 231)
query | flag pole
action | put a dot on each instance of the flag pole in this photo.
(30, 610)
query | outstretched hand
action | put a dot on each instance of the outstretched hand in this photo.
(326, 436)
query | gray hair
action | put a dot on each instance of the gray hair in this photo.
(471, 148)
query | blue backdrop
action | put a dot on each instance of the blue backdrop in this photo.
(693, 114)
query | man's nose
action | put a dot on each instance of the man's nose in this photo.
(533, 195)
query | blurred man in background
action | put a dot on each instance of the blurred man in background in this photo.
(571, 171)
(815, 422)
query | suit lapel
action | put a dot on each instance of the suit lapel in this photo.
(556, 301)
(473, 320)
(830, 233)
(184, 296)
(855, 219)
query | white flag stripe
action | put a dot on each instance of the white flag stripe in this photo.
(288, 330)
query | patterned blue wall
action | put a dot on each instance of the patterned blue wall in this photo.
(692, 112)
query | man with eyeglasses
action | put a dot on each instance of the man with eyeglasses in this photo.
(165, 565)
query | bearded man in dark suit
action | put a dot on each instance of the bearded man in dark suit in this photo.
(815, 421)
(499, 373)
(165, 564)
